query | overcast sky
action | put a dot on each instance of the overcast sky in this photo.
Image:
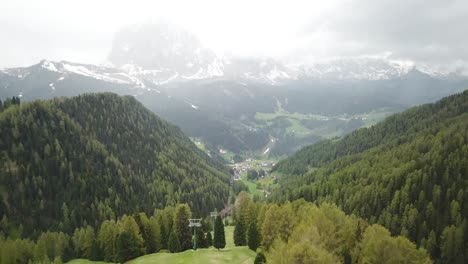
(425, 31)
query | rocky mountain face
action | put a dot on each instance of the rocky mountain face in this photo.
(163, 52)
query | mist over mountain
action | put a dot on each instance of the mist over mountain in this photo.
(162, 48)
(221, 100)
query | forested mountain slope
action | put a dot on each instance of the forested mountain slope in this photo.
(409, 173)
(394, 130)
(68, 162)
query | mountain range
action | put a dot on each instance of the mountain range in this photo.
(221, 100)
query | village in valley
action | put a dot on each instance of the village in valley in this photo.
(255, 174)
(243, 167)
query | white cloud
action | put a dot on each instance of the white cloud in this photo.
(296, 30)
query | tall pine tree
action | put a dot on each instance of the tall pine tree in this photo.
(219, 240)
(181, 226)
(253, 237)
(239, 234)
(173, 244)
(209, 239)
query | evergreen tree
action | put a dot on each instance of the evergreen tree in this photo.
(201, 238)
(239, 234)
(219, 240)
(209, 239)
(126, 247)
(173, 243)
(143, 225)
(260, 258)
(154, 236)
(83, 239)
(7, 103)
(163, 231)
(181, 226)
(253, 237)
(129, 242)
(40, 252)
(96, 252)
(106, 239)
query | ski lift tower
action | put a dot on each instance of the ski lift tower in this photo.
(195, 223)
(213, 216)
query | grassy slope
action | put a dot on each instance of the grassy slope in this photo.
(85, 261)
(231, 254)
(321, 130)
(251, 185)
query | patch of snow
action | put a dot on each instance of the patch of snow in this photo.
(20, 94)
(274, 75)
(51, 85)
(194, 106)
(133, 80)
(6, 71)
(173, 77)
(60, 79)
(216, 69)
(81, 70)
(49, 66)
(266, 151)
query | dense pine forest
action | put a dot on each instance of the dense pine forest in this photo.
(407, 173)
(100, 177)
(114, 240)
(73, 162)
(297, 232)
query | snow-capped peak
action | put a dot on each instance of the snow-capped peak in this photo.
(65, 68)
(359, 68)
(48, 65)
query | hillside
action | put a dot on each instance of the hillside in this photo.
(407, 173)
(394, 130)
(239, 111)
(71, 161)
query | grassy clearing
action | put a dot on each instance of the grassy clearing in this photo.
(374, 117)
(199, 143)
(251, 185)
(230, 254)
(85, 261)
(297, 128)
(237, 255)
(227, 155)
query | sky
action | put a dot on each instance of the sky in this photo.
(430, 32)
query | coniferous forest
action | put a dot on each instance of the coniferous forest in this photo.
(72, 162)
(100, 177)
(407, 173)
